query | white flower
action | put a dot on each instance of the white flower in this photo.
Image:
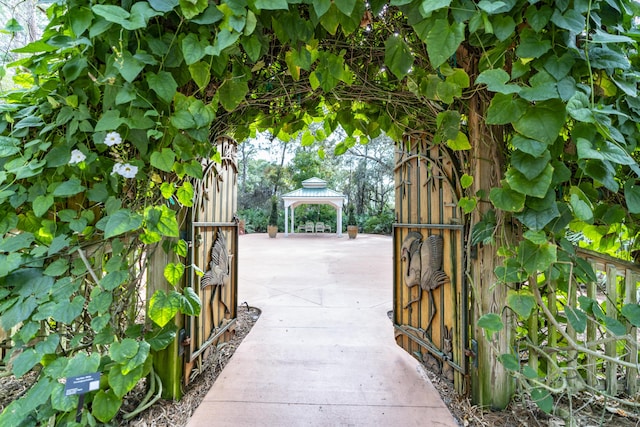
(125, 170)
(112, 138)
(77, 156)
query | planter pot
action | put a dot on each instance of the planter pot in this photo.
(272, 230)
(352, 231)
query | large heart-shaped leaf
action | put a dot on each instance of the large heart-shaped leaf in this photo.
(443, 41)
(321, 7)
(164, 159)
(428, 7)
(192, 48)
(173, 272)
(537, 219)
(137, 359)
(507, 199)
(124, 350)
(496, 80)
(192, 8)
(26, 360)
(129, 66)
(191, 303)
(542, 121)
(576, 318)
(105, 405)
(163, 84)
(632, 313)
(344, 6)
(112, 280)
(521, 302)
(200, 73)
(632, 196)
(81, 363)
(232, 92)
(490, 322)
(532, 44)
(397, 56)
(159, 339)
(535, 258)
(185, 194)
(536, 187)
(69, 188)
(120, 222)
(163, 307)
(529, 165)
(504, 109)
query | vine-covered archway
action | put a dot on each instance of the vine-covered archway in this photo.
(536, 101)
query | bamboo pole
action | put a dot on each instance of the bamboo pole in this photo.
(610, 346)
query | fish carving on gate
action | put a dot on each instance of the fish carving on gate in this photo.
(217, 274)
(423, 259)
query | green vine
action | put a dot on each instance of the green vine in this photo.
(119, 102)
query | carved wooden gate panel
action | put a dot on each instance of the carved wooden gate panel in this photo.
(213, 254)
(430, 298)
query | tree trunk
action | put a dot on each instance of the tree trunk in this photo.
(492, 385)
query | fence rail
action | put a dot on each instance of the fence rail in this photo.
(620, 280)
(587, 330)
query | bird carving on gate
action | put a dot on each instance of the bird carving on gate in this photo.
(423, 260)
(217, 274)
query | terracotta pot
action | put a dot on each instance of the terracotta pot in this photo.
(352, 231)
(272, 230)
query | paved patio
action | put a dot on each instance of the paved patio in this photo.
(322, 352)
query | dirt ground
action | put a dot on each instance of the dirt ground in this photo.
(587, 411)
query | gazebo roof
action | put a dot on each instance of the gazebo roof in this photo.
(313, 189)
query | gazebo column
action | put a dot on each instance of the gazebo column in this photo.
(339, 222)
(286, 220)
(293, 219)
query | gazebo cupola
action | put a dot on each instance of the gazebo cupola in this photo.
(314, 191)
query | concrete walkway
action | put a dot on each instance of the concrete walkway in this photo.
(322, 352)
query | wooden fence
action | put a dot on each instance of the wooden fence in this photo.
(583, 331)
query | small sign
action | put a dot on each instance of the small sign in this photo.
(82, 384)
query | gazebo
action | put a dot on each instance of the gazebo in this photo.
(314, 191)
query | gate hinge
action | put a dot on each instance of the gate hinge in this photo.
(184, 340)
(472, 352)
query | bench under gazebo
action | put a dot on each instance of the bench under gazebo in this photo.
(314, 191)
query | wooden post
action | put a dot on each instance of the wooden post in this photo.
(592, 378)
(632, 354)
(167, 363)
(572, 298)
(610, 346)
(533, 332)
(491, 384)
(552, 334)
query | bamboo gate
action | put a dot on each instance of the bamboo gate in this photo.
(211, 231)
(429, 292)
(433, 309)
